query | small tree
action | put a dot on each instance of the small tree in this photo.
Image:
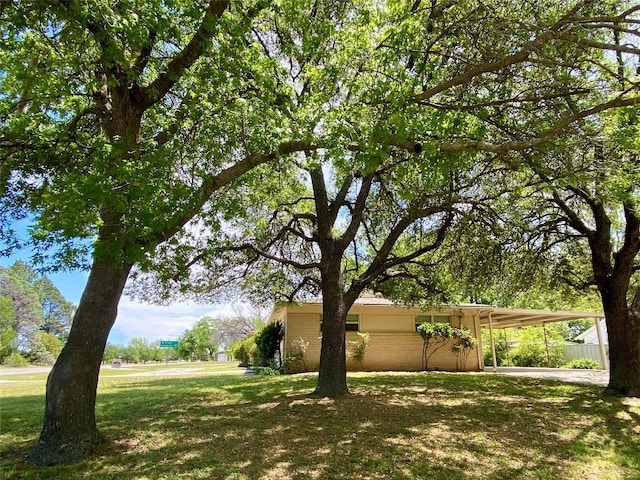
(7, 332)
(111, 352)
(50, 347)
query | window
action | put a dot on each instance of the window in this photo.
(420, 319)
(352, 324)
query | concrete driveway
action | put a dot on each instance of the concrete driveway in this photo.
(572, 375)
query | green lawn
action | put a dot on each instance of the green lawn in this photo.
(398, 426)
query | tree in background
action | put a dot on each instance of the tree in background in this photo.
(245, 321)
(200, 341)
(138, 350)
(7, 331)
(46, 348)
(16, 284)
(571, 329)
(58, 313)
(111, 352)
(245, 351)
(40, 317)
(538, 346)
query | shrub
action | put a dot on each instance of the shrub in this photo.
(268, 342)
(501, 354)
(583, 363)
(267, 371)
(245, 351)
(535, 355)
(538, 347)
(15, 360)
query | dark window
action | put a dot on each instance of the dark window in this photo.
(352, 324)
(420, 319)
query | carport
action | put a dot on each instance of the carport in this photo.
(500, 318)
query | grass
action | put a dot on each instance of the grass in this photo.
(395, 426)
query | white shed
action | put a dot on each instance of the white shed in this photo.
(590, 336)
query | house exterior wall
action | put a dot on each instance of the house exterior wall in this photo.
(393, 342)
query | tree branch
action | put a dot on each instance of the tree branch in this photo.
(337, 203)
(357, 212)
(382, 262)
(507, 61)
(185, 58)
(323, 213)
(599, 45)
(226, 176)
(280, 260)
(513, 145)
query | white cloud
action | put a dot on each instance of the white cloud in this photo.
(154, 322)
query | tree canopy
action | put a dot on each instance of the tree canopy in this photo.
(136, 151)
(428, 137)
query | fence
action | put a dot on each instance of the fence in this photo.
(571, 352)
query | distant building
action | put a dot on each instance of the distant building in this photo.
(590, 336)
(222, 357)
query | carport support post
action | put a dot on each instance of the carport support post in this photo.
(478, 332)
(493, 344)
(603, 354)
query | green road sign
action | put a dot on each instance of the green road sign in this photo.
(168, 343)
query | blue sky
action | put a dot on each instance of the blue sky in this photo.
(135, 319)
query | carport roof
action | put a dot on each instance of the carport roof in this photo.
(515, 317)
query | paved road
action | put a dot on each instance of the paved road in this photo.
(22, 370)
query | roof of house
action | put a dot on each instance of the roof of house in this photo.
(490, 315)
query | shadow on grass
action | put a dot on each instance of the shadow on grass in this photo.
(443, 426)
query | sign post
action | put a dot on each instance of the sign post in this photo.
(168, 344)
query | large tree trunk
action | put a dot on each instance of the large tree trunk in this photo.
(69, 432)
(623, 329)
(332, 373)
(612, 272)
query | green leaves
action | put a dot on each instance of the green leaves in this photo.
(33, 312)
